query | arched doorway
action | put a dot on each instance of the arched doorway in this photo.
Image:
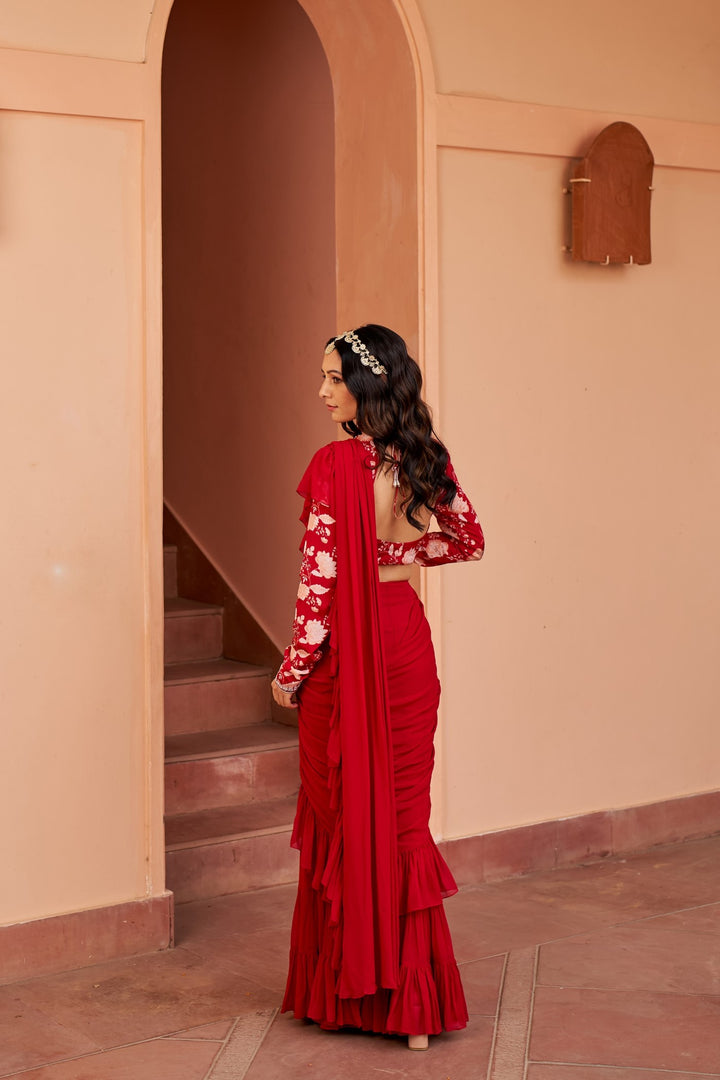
(292, 140)
(380, 75)
(248, 280)
(249, 297)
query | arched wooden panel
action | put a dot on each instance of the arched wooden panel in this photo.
(611, 192)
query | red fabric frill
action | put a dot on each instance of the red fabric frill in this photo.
(429, 997)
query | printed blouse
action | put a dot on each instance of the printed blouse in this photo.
(459, 539)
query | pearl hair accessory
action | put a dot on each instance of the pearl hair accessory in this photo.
(359, 347)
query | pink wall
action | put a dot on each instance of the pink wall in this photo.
(644, 57)
(592, 626)
(590, 443)
(73, 632)
(249, 286)
(78, 27)
(580, 406)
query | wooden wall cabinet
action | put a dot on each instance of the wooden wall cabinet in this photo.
(611, 191)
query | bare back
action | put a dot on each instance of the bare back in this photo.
(397, 530)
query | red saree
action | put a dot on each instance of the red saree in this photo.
(370, 946)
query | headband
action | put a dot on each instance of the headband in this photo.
(357, 346)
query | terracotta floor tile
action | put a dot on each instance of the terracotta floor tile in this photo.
(491, 920)
(602, 1072)
(614, 932)
(294, 1049)
(30, 1037)
(694, 864)
(160, 1058)
(149, 996)
(699, 918)
(482, 980)
(636, 956)
(212, 1032)
(631, 1029)
(240, 913)
(261, 956)
(205, 919)
(621, 889)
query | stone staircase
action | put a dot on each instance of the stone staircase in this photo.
(231, 773)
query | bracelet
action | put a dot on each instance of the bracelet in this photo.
(286, 689)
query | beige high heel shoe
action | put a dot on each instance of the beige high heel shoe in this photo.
(417, 1042)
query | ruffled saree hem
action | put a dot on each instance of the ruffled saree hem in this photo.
(428, 998)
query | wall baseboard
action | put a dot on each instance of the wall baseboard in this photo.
(85, 938)
(586, 838)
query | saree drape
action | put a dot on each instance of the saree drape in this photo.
(370, 944)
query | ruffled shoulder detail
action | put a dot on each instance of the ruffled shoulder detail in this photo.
(317, 481)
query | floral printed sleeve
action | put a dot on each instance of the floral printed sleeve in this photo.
(318, 573)
(459, 539)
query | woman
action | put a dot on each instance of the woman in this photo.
(370, 944)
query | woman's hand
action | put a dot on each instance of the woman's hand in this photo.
(281, 697)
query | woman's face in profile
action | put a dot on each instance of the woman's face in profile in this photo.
(334, 393)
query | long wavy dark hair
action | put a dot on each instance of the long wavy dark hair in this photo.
(391, 410)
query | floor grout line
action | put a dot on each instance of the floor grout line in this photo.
(628, 1068)
(531, 1009)
(611, 926)
(681, 911)
(501, 989)
(600, 926)
(119, 1046)
(629, 990)
(173, 1038)
(640, 919)
(489, 956)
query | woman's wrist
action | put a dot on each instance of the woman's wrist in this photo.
(286, 689)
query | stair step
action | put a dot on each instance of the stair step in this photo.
(193, 630)
(170, 569)
(215, 769)
(221, 670)
(230, 849)
(206, 695)
(179, 606)
(224, 823)
(204, 744)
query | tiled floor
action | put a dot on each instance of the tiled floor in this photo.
(603, 972)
